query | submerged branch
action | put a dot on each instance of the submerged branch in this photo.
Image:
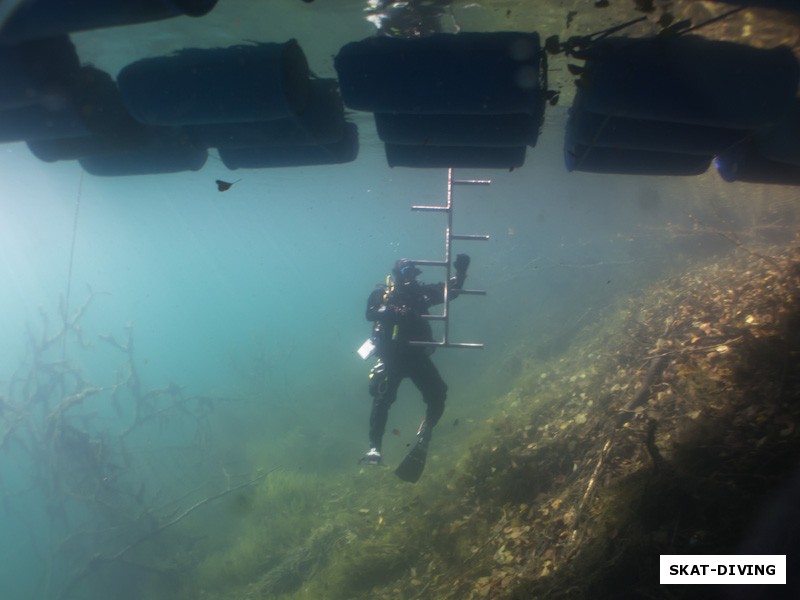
(731, 238)
(98, 558)
(187, 512)
(657, 365)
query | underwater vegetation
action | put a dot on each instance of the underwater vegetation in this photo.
(662, 429)
(100, 478)
(690, 423)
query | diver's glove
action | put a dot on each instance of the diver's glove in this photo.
(395, 314)
(461, 264)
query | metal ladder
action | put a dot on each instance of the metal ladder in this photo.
(449, 236)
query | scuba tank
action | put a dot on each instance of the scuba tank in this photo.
(376, 330)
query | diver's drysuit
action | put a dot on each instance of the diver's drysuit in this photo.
(397, 312)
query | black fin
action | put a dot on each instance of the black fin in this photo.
(413, 464)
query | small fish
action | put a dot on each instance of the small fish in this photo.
(455, 422)
(602, 4)
(396, 431)
(224, 186)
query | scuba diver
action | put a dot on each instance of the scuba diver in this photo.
(397, 311)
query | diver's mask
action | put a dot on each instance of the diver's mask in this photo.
(405, 271)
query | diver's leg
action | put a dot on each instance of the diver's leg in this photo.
(426, 377)
(383, 388)
(434, 390)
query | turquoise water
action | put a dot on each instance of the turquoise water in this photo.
(250, 303)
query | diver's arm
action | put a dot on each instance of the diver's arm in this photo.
(374, 305)
(434, 292)
(384, 312)
(455, 287)
(461, 264)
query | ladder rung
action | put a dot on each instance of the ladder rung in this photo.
(472, 182)
(430, 208)
(430, 263)
(434, 317)
(444, 344)
(469, 236)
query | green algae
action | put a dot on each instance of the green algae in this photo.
(551, 495)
